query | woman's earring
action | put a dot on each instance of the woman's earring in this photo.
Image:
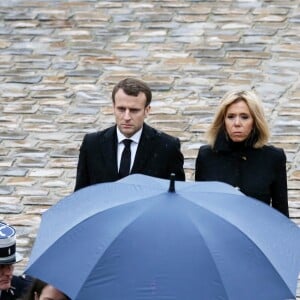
(36, 296)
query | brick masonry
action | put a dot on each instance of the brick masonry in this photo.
(60, 59)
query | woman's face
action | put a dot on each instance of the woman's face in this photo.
(50, 293)
(238, 121)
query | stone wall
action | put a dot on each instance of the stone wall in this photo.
(60, 59)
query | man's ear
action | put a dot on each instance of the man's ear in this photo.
(36, 296)
(147, 110)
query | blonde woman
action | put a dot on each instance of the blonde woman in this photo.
(237, 152)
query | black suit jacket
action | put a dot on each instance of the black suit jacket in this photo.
(19, 286)
(158, 155)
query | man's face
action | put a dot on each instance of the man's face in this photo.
(6, 273)
(130, 112)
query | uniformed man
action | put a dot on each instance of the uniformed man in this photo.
(11, 287)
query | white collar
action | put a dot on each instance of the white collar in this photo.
(135, 138)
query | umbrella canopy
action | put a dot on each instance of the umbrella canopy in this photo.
(144, 238)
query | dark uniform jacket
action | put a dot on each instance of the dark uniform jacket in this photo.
(258, 173)
(19, 286)
(158, 155)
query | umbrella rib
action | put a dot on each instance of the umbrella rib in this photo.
(213, 260)
(119, 232)
(247, 236)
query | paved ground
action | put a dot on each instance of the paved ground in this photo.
(60, 59)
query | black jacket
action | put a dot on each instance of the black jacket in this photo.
(19, 286)
(158, 155)
(258, 173)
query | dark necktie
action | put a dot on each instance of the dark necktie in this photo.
(125, 159)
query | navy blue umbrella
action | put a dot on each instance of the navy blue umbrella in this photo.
(144, 238)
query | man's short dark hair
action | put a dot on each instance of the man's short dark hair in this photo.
(133, 87)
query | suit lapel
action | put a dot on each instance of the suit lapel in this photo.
(109, 151)
(144, 150)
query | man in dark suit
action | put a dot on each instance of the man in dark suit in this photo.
(152, 152)
(11, 287)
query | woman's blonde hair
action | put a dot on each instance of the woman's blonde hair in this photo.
(261, 128)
